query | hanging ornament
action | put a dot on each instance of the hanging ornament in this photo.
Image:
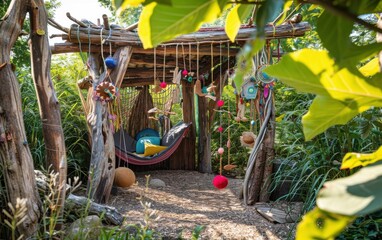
(110, 62)
(163, 85)
(106, 91)
(220, 103)
(220, 182)
(184, 73)
(220, 129)
(221, 151)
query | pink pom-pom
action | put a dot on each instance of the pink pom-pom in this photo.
(220, 129)
(221, 151)
(184, 72)
(163, 85)
(220, 182)
(220, 103)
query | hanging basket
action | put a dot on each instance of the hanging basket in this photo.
(106, 92)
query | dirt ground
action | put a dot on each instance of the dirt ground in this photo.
(189, 199)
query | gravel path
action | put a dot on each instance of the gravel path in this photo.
(189, 199)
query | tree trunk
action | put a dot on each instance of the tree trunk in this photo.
(204, 146)
(269, 152)
(48, 103)
(102, 162)
(15, 155)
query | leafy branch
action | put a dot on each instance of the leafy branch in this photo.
(343, 12)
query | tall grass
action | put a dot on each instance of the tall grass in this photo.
(65, 70)
(309, 164)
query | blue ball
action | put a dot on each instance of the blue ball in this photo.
(253, 122)
(110, 62)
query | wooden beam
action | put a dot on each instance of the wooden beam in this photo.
(203, 36)
(205, 50)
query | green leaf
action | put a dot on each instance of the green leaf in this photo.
(159, 23)
(334, 32)
(371, 68)
(358, 194)
(237, 15)
(326, 112)
(267, 13)
(342, 94)
(318, 224)
(322, 77)
(353, 160)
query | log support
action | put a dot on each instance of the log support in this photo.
(48, 103)
(15, 156)
(102, 163)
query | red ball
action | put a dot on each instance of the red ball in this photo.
(220, 129)
(184, 72)
(163, 85)
(220, 182)
(220, 103)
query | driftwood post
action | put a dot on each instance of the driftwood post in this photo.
(204, 145)
(102, 163)
(15, 155)
(48, 103)
(259, 180)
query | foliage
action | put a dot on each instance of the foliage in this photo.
(65, 71)
(343, 92)
(129, 16)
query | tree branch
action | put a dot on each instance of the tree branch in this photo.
(327, 5)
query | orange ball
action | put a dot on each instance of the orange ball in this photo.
(124, 177)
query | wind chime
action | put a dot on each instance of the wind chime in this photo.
(255, 92)
(220, 181)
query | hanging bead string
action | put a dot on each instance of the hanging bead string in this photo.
(184, 57)
(102, 41)
(176, 54)
(220, 113)
(108, 37)
(278, 50)
(268, 45)
(155, 63)
(189, 57)
(197, 61)
(212, 63)
(164, 64)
